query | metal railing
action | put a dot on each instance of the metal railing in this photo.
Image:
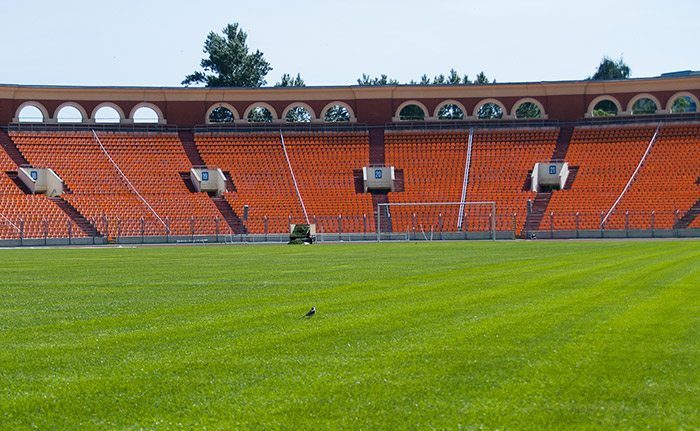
(419, 226)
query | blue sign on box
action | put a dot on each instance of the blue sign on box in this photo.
(205, 176)
(552, 169)
(34, 175)
(378, 174)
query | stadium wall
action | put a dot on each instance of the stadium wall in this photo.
(187, 107)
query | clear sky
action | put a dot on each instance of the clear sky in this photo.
(158, 42)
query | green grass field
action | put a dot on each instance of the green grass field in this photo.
(479, 335)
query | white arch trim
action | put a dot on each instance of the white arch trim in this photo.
(516, 105)
(294, 105)
(233, 110)
(156, 109)
(108, 105)
(449, 102)
(262, 104)
(673, 98)
(36, 105)
(638, 97)
(80, 109)
(326, 108)
(397, 116)
(490, 100)
(591, 106)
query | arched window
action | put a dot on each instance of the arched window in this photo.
(489, 111)
(605, 108)
(107, 114)
(683, 104)
(450, 111)
(337, 113)
(528, 110)
(259, 114)
(644, 106)
(31, 114)
(298, 114)
(69, 114)
(412, 113)
(145, 114)
(221, 114)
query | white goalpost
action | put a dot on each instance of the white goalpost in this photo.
(436, 220)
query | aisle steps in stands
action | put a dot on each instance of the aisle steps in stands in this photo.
(74, 215)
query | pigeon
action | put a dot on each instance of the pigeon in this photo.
(311, 312)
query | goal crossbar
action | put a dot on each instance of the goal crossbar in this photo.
(461, 205)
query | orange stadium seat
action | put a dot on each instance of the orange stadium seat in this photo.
(323, 164)
(433, 164)
(150, 161)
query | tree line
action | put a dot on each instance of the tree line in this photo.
(229, 62)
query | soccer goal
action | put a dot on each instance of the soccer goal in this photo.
(430, 221)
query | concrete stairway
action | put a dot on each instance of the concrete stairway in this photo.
(537, 211)
(381, 198)
(11, 149)
(76, 216)
(573, 171)
(187, 139)
(229, 215)
(563, 141)
(689, 216)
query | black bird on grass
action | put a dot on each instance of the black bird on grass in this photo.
(311, 312)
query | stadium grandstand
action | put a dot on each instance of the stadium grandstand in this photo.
(120, 164)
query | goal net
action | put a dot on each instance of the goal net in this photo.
(436, 221)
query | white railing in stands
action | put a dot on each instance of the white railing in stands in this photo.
(294, 178)
(634, 174)
(465, 182)
(127, 180)
(10, 222)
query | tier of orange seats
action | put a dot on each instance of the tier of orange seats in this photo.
(607, 158)
(29, 216)
(323, 164)
(433, 165)
(150, 161)
(666, 183)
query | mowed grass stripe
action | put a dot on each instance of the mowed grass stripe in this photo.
(505, 335)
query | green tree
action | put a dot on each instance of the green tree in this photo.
(528, 110)
(644, 106)
(298, 114)
(337, 113)
(412, 113)
(229, 63)
(605, 108)
(289, 81)
(489, 111)
(609, 69)
(683, 104)
(260, 114)
(221, 115)
(366, 80)
(482, 79)
(450, 112)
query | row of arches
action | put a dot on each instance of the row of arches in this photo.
(71, 112)
(487, 109)
(642, 104)
(297, 112)
(300, 112)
